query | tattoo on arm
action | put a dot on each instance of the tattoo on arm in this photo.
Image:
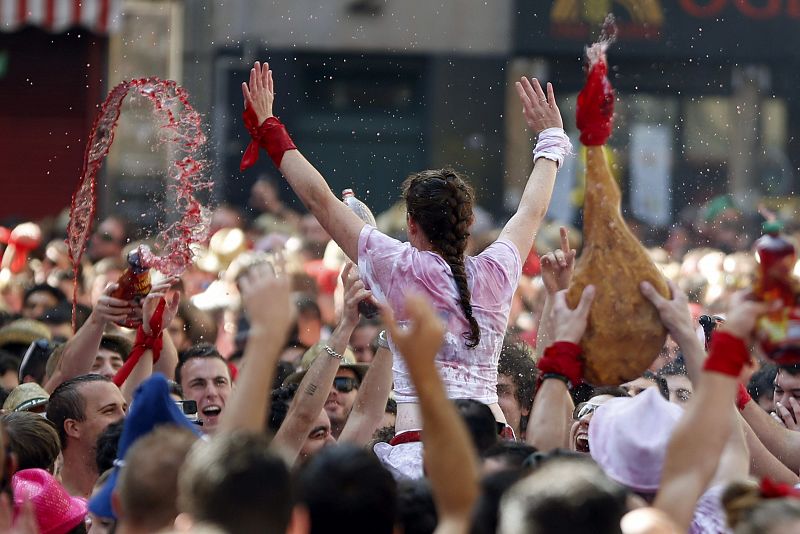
(311, 389)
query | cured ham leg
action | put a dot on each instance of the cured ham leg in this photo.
(625, 333)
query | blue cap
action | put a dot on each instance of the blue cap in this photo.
(151, 407)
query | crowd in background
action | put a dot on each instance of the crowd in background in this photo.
(254, 394)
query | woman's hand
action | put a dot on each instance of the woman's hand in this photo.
(259, 93)
(540, 111)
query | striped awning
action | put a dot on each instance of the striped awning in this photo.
(56, 16)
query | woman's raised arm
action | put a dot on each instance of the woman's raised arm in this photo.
(308, 184)
(544, 119)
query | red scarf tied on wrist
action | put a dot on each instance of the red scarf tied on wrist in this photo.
(271, 135)
(562, 358)
(728, 355)
(154, 341)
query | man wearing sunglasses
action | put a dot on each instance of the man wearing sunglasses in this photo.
(344, 389)
(582, 416)
(342, 397)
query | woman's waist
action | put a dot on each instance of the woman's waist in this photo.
(409, 417)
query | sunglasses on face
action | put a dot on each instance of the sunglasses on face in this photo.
(583, 409)
(342, 384)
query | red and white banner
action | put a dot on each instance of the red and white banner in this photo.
(56, 16)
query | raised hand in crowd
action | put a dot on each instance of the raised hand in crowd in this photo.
(541, 111)
(259, 93)
(694, 451)
(561, 365)
(265, 291)
(557, 268)
(316, 384)
(80, 351)
(558, 265)
(164, 358)
(677, 319)
(451, 459)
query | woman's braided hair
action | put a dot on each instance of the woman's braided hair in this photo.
(440, 202)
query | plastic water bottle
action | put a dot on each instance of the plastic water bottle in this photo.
(365, 307)
(358, 207)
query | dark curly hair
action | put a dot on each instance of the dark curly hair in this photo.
(440, 202)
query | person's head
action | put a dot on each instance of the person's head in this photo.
(56, 512)
(505, 455)
(677, 377)
(82, 407)
(106, 271)
(628, 439)
(564, 495)
(363, 339)
(40, 298)
(582, 416)
(113, 352)
(787, 385)
(34, 363)
(320, 435)
(416, 511)
(309, 320)
(28, 397)
(17, 336)
(9, 370)
(748, 512)
(107, 445)
(762, 387)
(147, 488)
(191, 326)
(205, 378)
(32, 439)
(516, 379)
(646, 381)
(236, 482)
(480, 423)
(439, 205)
(342, 396)
(347, 485)
(108, 239)
(486, 513)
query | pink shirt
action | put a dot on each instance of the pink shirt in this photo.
(392, 270)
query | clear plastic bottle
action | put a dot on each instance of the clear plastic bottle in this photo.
(365, 307)
(358, 207)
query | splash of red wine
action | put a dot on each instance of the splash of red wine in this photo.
(181, 128)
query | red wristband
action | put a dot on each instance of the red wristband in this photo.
(271, 135)
(728, 355)
(154, 341)
(742, 397)
(563, 358)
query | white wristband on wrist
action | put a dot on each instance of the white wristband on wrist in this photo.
(553, 144)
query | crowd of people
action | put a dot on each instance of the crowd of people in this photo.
(260, 392)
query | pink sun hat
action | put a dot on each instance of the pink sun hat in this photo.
(628, 438)
(56, 511)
